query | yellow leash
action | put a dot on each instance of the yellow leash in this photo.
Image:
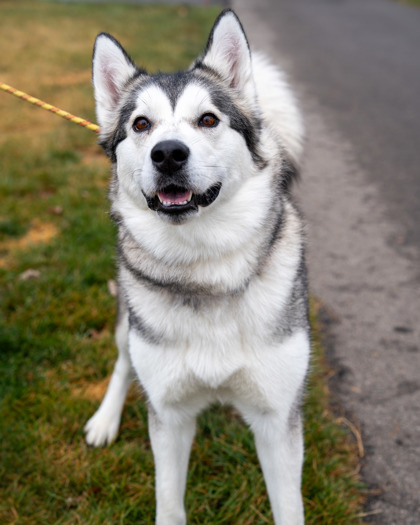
(48, 107)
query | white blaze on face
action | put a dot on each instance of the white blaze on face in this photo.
(211, 149)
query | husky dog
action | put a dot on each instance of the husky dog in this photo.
(212, 291)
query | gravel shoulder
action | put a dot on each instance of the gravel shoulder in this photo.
(362, 269)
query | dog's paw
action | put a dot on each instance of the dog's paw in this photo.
(101, 429)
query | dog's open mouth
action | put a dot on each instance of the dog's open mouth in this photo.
(176, 200)
(174, 196)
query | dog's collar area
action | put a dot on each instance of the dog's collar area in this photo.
(175, 200)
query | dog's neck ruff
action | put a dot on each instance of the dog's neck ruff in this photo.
(199, 257)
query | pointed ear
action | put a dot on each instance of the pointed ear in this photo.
(228, 53)
(111, 69)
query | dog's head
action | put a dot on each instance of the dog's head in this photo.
(180, 141)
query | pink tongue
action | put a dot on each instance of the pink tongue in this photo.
(174, 198)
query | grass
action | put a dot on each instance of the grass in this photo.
(410, 2)
(56, 341)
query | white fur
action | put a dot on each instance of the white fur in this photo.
(111, 69)
(230, 56)
(225, 350)
(280, 112)
(135, 169)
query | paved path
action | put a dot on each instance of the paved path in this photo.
(357, 68)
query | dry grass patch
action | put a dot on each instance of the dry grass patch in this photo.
(39, 232)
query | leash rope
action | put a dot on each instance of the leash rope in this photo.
(48, 107)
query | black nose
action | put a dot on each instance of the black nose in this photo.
(169, 155)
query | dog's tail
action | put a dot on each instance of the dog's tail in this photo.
(279, 106)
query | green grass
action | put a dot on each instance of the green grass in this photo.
(410, 2)
(56, 339)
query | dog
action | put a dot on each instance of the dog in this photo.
(212, 282)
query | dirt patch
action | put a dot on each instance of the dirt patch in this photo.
(39, 232)
(92, 391)
(96, 391)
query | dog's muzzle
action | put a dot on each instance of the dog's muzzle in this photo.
(173, 197)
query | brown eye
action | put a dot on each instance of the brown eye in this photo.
(141, 124)
(208, 121)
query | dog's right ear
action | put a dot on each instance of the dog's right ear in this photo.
(111, 70)
(228, 53)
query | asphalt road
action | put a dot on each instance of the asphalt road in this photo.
(356, 67)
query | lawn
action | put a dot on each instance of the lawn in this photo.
(57, 312)
(410, 2)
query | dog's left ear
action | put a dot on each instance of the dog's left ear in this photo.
(228, 53)
(111, 70)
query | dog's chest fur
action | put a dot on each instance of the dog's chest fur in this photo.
(203, 328)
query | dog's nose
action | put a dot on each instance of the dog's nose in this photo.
(169, 155)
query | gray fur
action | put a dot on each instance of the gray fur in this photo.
(247, 124)
(212, 283)
(140, 326)
(171, 279)
(295, 314)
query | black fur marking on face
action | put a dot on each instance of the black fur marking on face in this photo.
(111, 142)
(248, 127)
(173, 85)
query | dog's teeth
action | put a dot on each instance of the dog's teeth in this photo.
(174, 202)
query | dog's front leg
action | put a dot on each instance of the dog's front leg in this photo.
(171, 445)
(280, 451)
(102, 427)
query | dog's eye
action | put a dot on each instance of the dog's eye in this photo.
(141, 124)
(208, 120)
